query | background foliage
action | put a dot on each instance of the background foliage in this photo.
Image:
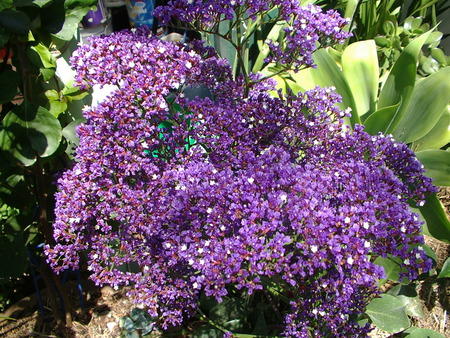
(37, 118)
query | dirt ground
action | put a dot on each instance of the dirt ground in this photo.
(104, 307)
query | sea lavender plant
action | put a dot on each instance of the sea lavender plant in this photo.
(306, 29)
(232, 192)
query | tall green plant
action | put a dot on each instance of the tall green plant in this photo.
(413, 109)
(36, 120)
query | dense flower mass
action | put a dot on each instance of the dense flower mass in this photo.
(308, 25)
(216, 193)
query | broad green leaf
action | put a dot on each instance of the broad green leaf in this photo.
(14, 140)
(37, 3)
(281, 83)
(231, 313)
(439, 55)
(437, 165)
(438, 136)
(71, 22)
(329, 74)
(408, 295)
(73, 93)
(350, 8)
(15, 22)
(429, 99)
(274, 288)
(415, 332)
(303, 79)
(360, 68)
(9, 81)
(437, 223)
(42, 3)
(265, 49)
(30, 131)
(430, 65)
(293, 86)
(47, 73)
(445, 271)
(392, 269)
(44, 132)
(46, 58)
(142, 319)
(80, 3)
(381, 120)
(401, 80)
(382, 41)
(5, 4)
(388, 313)
(52, 17)
(434, 37)
(412, 23)
(57, 105)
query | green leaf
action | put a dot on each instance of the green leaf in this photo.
(445, 271)
(437, 165)
(434, 37)
(401, 80)
(329, 74)
(381, 120)
(439, 55)
(360, 68)
(46, 58)
(14, 140)
(80, 3)
(57, 106)
(408, 295)
(437, 223)
(231, 313)
(350, 9)
(47, 73)
(30, 131)
(15, 22)
(429, 99)
(412, 23)
(415, 332)
(71, 22)
(264, 49)
(392, 268)
(388, 313)
(382, 41)
(73, 93)
(438, 136)
(274, 288)
(37, 3)
(9, 81)
(5, 4)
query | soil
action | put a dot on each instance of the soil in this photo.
(103, 308)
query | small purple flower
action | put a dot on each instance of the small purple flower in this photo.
(307, 27)
(204, 193)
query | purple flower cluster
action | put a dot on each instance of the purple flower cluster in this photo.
(221, 192)
(308, 25)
